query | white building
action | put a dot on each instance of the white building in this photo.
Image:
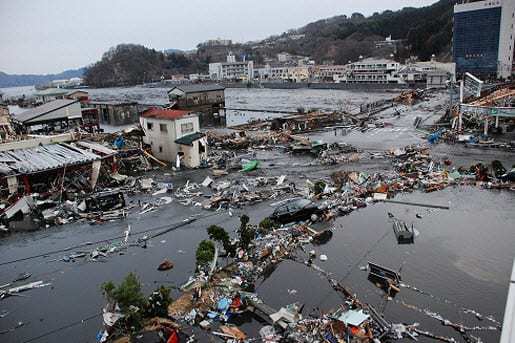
(174, 134)
(329, 72)
(231, 70)
(433, 73)
(371, 71)
(289, 74)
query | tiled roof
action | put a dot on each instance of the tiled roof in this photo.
(161, 113)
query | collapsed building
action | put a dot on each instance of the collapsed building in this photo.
(35, 166)
(54, 116)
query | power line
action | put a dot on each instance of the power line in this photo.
(165, 227)
(67, 326)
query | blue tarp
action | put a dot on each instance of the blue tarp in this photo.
(119, 142)
(434, 137)
(223, 304)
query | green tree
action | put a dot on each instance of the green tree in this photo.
(130, 299)
(205, 253)
(247, 232)
(267, 225)
(219, 234)
(158, 302)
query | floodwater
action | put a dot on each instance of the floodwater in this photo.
(461, 258)
(241, 98)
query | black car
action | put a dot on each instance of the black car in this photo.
(295, 210)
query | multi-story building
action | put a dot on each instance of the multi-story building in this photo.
(208, 100)
(371, 71)
(484, 36)
(231, 70)
(432, 73)
(328, 72)
(284, 73)
(174, 135)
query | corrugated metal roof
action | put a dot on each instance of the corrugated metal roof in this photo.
(45, 110)
(198, 87)
(41, 158)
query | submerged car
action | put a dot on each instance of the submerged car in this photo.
(295, 210)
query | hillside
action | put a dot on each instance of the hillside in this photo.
(130, 64)
(424, 31)
(427, 31)
(16, 80)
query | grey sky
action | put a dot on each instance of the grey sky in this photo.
(47, 36)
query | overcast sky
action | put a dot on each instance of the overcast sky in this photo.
(49, 36)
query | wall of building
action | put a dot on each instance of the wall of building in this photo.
(163, 142)
(117, 114)
(507, 39)
(476, 37)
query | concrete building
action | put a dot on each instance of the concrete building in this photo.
(388, 42)
(117, 113)
(328, 72)
(50, 94)
(431, 73)
(174, 134)
(284, 73)
(371, 70)
(57, 115)
(484, 36)
(206, 99)
(231, 70)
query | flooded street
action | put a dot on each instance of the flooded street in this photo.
(461, 258)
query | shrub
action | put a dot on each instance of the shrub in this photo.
(205, 253)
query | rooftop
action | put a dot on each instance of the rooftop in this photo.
(42, 158)
(112, 102)
(198, 87)
(51, 91)
(189, 139)
(161, 113)
(44, 112)
(371, 60)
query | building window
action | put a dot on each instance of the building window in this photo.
(163, 127)
(186, 128)
(160, 148)
(150, 126)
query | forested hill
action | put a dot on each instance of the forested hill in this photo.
(427, 31)
(15, 80)
(130, 64)
(424, 31)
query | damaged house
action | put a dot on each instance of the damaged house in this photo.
(50, 94)
(206, 99)
(54, 116)
(174, 136)
(6, 129)
(51, 168)
(117, 113)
